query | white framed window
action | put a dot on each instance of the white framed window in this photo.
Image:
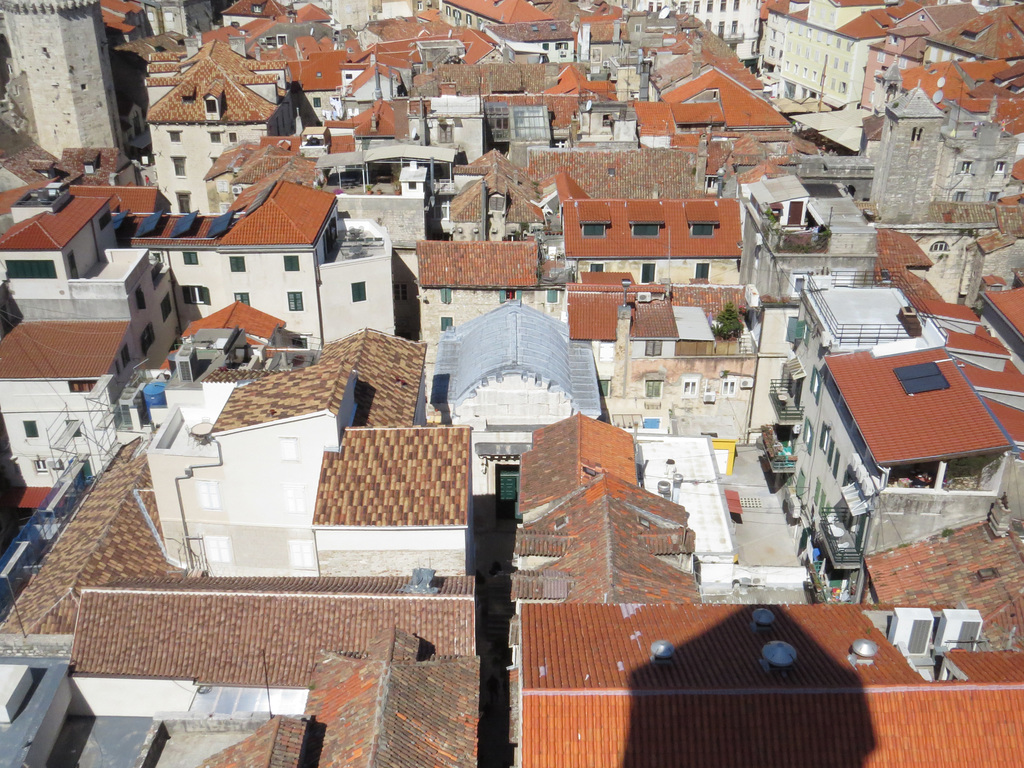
(289, 448)
(40, 465)
(294, 498)
(966, 166)
(939, 246)
(1000, 166)
(302, 555)
(691, 387)
(606, 352)
(218, 549)
(222, 186)
(208, 493)
(729, 387)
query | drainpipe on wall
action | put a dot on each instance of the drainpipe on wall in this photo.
(189, 470)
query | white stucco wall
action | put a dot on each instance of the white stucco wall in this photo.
(128, 697)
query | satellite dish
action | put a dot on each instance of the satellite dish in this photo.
(941, 82)
(664, 13)
(588, 106)
(937, 98)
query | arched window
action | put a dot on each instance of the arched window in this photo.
(939, 246)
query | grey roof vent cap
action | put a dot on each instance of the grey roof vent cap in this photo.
(662, 651)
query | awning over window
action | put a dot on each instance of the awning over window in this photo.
(795, 369)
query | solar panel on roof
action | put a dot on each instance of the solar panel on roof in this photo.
(184, 224)
(923, 377)
(119, 218)
(148, 224)
(221, 224)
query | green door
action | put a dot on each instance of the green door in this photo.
(507, 502)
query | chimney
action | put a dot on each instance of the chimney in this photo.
(910, 321)
(373, 121)
(483, 208)
(448, 89)
(616, 30)
(697, 56)
(237, 43)
(191, 46)
(377, 94)
(620, 377)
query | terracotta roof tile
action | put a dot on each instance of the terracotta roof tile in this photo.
(610, 535)
(942, 572)
(1010, 305)
(107, 539)
(61, 349)
(738, 106)
(625, 173)
(390, 370)
(998, 34)
(711, 298)
(502, 11)
(946, 309)
(897, 250)
(215, 67)
(395, 477)
(105, 161)
(477, 264)
(963, 213)
(383, 711)
(988, 667)
(1007, 380)
(52, 231)
(252, 638)
(278, 743)
(900, 428)
(487, 79)
(267, 8)
(981, 341)
(593, 308)
(451, 586)
(675, 218)
(562, 453)
(292, 214)
(654, 320)
(126, 198)
(237, 315)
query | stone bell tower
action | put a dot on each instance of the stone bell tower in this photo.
(61, 79)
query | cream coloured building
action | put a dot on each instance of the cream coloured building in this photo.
(205, 103)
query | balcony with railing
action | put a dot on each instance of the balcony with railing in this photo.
(844, 543)
(780, 454)
(781, 392)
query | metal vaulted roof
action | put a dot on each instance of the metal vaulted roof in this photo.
(515, 340)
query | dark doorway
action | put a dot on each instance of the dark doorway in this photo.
(507, 491)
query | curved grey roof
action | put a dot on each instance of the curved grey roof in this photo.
(514, 340)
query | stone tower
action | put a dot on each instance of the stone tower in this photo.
(62, 79)
(908, 158)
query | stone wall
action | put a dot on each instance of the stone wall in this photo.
(391, 563)
(402, 216)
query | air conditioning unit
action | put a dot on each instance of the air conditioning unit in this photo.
(710, 397)
(958, 629)
(237, 189)
(155, 257)
(747, 382)
(797, 429)
(185, 359)
(911, 630)
(644, 297)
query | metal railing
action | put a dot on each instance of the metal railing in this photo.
(779, 461)
(845, 550)
(802, 241)
(853, 334)
(21, 559)
(782, 400)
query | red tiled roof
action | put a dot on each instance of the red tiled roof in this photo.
(52, 231)
(502, 11)
(61, 349)
(237, 315)
(654, 320)
(739, 107)
(322, 71)
(215, 69)
(108, 538)
(292, 214)
(898, 250)
(675, 217)
(278, 743)
(477, 264)
(257, 637)
(562, 452)
(998, 34)
(24, 498)
(621, 173)
(1009, 303)
(980, 341)
(608, 537)
(593, 308)
(126, 198)
(1011, 419)
(947, 309)
(988, 667)
(372, 479)
(1007, 380)
(268, 8)
(900, 428)
(312, 12)
(711, 298)
(605, 278)
(876, 23)
(942, 572)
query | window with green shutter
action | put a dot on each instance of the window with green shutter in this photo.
(605, 385)
(291, 263)
(165, 306)
(446, 323)
(552, 296)
(191, 258)
(801, 484)
(242, 297)
(795, 329)
(295, 301)
(31, 429)
(358, 292)
(808, 436)
(31, 269)
(446, 295)
(237, 263)
(816, 385)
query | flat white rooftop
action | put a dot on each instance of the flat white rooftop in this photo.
(699, 491)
